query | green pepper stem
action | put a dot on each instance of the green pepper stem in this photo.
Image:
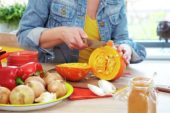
(19, 81)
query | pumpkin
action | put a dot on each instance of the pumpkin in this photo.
(107, 63)
(73, 71)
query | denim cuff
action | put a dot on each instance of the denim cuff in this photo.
(135, 57)
(35, 34)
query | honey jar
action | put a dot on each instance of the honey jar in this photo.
(142, 96)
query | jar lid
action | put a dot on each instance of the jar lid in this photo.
(25, 54)
(21, 57)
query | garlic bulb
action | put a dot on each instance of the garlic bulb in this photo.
(107, 87)
(46, 97)
(96, 90)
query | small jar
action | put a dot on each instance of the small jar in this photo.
(142, 96)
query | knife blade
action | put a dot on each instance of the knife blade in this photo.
(93, 43)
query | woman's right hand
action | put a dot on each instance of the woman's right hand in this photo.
(72, 36)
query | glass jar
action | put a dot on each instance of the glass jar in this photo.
(142, 96)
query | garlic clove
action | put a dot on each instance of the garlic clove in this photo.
(46, 97)
(107, 87)
(96, 90)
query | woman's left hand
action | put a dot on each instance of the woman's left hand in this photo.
(126, 52)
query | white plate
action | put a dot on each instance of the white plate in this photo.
(36, 106)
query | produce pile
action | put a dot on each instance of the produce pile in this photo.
(29, 85)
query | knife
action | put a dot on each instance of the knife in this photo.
(93, 43)
(2, 52)
(163, 88)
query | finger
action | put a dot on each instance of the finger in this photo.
(127, 57)
(78, 40)
(73, 47)
(83, 34)
(120, 50)
(71, 41)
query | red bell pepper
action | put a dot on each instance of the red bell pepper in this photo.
(10, 77)
(31, 68)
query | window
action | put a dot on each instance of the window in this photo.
(144, 16)
(143, 19)
(11, 2)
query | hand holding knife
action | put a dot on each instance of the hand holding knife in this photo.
(93, 43)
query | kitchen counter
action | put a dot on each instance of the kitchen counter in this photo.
(9, 40)
(109, 105)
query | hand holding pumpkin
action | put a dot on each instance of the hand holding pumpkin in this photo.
(126, 51)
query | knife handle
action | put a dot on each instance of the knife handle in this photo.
(2, 52)
(163, 88)
(87, 41)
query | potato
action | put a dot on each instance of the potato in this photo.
(52, 77)
(35, 78)
(22, 94)
(58, 87)
(4, 95)
(37, 87)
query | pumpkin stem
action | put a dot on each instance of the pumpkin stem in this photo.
(109, 43)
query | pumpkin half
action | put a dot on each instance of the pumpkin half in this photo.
(73, 71)
(107, 63)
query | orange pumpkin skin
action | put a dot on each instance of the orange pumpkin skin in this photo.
(73, 71)
(121, 70)
(107, 63)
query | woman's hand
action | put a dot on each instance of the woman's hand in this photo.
(126, 51)
(72, 36)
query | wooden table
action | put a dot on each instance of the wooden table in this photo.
(9, 40)
(109, 105)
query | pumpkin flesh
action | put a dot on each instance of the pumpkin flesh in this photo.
(107, 63)
(73, 71)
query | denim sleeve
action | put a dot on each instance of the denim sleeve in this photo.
(121, 36)
(33, 23)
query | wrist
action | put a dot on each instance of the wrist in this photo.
(59, 32)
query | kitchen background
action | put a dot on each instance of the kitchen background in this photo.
(143, 19)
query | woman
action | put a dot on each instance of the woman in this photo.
(56, 28)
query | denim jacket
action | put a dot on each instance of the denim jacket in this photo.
(44, 14)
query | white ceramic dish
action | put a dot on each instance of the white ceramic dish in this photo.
(36, 106)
